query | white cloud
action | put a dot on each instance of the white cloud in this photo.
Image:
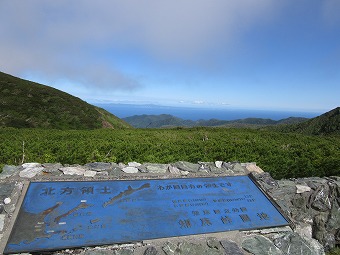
(198, 102)
(62, 38)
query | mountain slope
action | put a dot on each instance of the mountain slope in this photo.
(26, 104)
(325, 124)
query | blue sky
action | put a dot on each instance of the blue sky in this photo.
(263, 54)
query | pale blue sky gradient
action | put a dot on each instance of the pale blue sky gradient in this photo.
(263, 54)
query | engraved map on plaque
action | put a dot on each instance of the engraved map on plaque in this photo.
(58, 215)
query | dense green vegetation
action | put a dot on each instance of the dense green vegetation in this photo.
(25, 104)
(283, 155)
(334, 251)
(325, 124)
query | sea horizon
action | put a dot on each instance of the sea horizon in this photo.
(200, 113)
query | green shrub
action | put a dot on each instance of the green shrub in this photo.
(282, 155)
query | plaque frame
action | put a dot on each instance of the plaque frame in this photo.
(27, 186)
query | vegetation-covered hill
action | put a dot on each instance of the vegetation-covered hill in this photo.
(166, 120)
(26, 104)
(325, 124)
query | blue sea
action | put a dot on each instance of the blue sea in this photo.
(191, 113)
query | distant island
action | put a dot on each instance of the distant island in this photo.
(325, 124)
(167, 121)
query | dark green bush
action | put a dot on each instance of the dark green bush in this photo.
(283, 155)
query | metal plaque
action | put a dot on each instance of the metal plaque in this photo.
(58, 215)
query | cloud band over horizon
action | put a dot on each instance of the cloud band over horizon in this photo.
(144, 46)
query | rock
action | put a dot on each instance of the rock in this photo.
(190, 248)
(107, 252)
(267, 181)
(1, 208)
(206, 166)
(334, 192)
(227, 165)
(2, 221)
(99, 166)
(89, 173)
(174, 170)
(142, 169)
(151, 251)
(135, 164)
(211, 167)
(31, 165)
(282, 191)
(8, 171)
(156, 168)
(302, 189)
(187, 166)
(231, 248)
(7, 200)
(260, 245)
(30, 172)
(170, 248)
(121, 165)
(334, 218)
(320, 200)
(186, 248)
(102, 173)
(293, 244)
(253, 168)
(315, 182)
(216, 170)
(315, 245)
(98, 252)
(329, 241)
(6, 190)
(238, 169)
(123, 252)
(299, 201)
(212, 242)
(116, 171)
(337, 236)
(265, 231)
(73, 170)
(130, 170)
(52, 168)
(319, 226)
(10, 208)
(184, 173)
(304, 230)
(218, 164)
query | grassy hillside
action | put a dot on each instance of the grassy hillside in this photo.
(25, 104)
(325, 124)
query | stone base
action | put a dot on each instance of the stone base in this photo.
(311, 203)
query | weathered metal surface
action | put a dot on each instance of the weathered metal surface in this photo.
(57, 215)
